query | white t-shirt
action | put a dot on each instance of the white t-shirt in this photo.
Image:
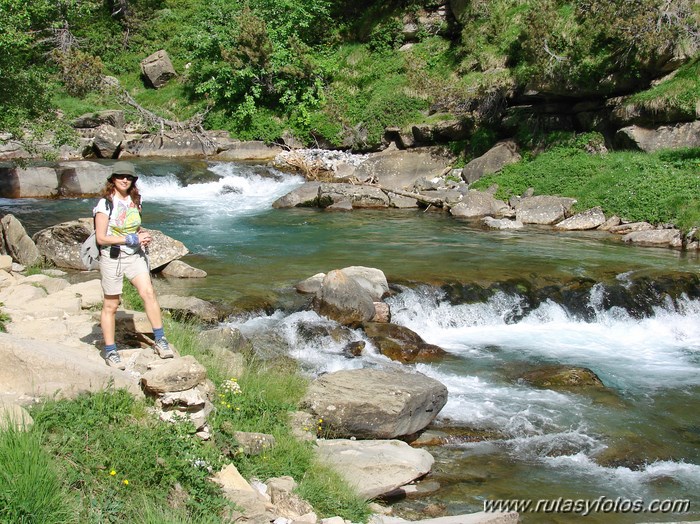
(124, 219)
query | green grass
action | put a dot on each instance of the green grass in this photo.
(113, 453)
(681, 92)
(661, 187)
(31, 490)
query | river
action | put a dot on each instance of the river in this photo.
(638, 439)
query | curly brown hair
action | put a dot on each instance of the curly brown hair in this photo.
(133, 192)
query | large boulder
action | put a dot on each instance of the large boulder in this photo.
(500, 155)
(655, 237)
(400, 343)
(157, 69)
(375, 403)
(252, 150)
(371, 279)
(107, 141)
(15, 242)
(375, 467)
(589, 219)
(343, 299)
(164, 249)
(305, 195)
(179, 269)
(357, 195)
(113, 117)
(545, 210)
(60, 244)
(401, 169)
(29, 182)
(173, 144)
(665, 137)
(479, 204)
(189, 308)
(82, 178)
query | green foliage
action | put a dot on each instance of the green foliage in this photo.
(258, 57)
(90, 437)
(386, 36)
(131, 298)
(595, 45)
(79, 71)
(332, 495)
(24, 93)
(30, 487)
(369, 93)
(659, 187)
(680, 93)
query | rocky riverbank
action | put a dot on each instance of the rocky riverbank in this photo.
(50, 350)
(421, 178)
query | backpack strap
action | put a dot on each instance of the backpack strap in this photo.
(110, 207)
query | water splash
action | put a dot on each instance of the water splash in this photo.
(240, 190)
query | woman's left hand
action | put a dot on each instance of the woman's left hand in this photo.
(145, 238)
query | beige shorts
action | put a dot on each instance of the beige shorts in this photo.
(114, 270)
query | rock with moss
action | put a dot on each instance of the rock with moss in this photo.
(563, 377)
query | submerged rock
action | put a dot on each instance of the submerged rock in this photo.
(563, 377)
(400, 343)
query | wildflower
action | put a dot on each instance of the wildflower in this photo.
(228, 406)
(113, 472)
(320, 421)
(231, 386)
(125, 482)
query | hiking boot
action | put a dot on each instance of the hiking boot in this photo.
(162, 348)
(113, 360)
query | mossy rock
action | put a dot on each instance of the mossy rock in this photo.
(563, 377)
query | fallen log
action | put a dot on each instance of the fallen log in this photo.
(430, 201)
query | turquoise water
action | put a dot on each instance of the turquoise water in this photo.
(639, 438)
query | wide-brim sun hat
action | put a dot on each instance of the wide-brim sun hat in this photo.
(123, 168)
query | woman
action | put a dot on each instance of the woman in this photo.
(118, 232)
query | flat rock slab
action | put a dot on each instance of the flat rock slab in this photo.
(176, 374)
(375, 467)
(35, 368)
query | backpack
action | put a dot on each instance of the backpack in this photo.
(89, 250)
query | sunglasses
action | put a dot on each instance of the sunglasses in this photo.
(122, 176)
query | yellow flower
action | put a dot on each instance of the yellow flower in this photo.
(228, 406)
(320, 421)
(125, 482)
(238, 409)
(112, 472)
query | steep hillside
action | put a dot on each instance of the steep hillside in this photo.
(339, 73)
